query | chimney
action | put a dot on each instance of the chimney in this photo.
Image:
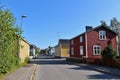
(88, 28)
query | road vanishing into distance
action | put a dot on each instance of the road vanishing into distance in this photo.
(59, 69)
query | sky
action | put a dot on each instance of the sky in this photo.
(50, 20)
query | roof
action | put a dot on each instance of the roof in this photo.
(32, 46)
(63, 41)
(94, 29)
(25, 41)
(22, 38)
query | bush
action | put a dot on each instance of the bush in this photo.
(8, 41)
(27, 60)
(116, 63)
(108, 52)
(76, 60)
(117, 57)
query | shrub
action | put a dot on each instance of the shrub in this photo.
(27, 60)
(108, 52)
(76, 60)
(8, 41)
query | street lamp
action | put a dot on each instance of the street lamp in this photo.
(22, 17)
(19, 38)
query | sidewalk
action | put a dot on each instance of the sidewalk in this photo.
(108, 70)
(23, 73)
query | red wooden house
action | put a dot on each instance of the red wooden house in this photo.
(90, 44)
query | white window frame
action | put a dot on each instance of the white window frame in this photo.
(81, 38)
(81, 50)
(102, 35)
(96, 50)
(72, 42)
(72, 51)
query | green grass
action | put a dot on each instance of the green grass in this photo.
(12, 70)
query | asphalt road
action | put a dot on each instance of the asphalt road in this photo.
(59, 69)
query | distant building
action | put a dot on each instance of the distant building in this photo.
(62, 49)
(50, 51)
(32, 50)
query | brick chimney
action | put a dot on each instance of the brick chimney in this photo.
(88, 28)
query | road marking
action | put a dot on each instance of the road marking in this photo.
(33, 72)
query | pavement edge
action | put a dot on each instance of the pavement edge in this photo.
(33, 72)
(99, 70)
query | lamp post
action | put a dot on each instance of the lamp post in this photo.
(19, 38)
(22, 17)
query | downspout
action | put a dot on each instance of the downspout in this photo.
(60, 50)
(118, 54)
(86, 47)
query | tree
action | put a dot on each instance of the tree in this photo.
(115, 26)
(37, 50)
(103, 23)
(9, 34)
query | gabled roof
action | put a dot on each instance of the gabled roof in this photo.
(63, 41)
(94, 29)
(25, 41)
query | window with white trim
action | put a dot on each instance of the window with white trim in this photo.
(72, 51)
(81, 50)
(71, 42)
(81, 39)
(102, 35)
(96, 49)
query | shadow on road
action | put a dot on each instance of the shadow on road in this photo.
(49, 61)
(97, 75)
(102, 76)
(44, 60)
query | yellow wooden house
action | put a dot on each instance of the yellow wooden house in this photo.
(24, 49)
(62, 49)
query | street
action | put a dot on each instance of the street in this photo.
(59, 69)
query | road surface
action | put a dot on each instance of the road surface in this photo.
(59, 69)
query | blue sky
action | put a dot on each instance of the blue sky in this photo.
(48, 20)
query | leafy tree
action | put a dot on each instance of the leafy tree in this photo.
(9, 34)
(37, 50)
(103, 23)
(115, 26)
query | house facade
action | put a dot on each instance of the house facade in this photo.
(50, 51)
(62, 49)
(32, 51)
(89, 45)
(23, 50)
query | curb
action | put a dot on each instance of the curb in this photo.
(33, 72)
(99, 70)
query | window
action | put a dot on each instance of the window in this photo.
(71, 42)
(96, 49)
(67, 51)
(72, 51)
(81, 39)
(81, 50)
(102, 35)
